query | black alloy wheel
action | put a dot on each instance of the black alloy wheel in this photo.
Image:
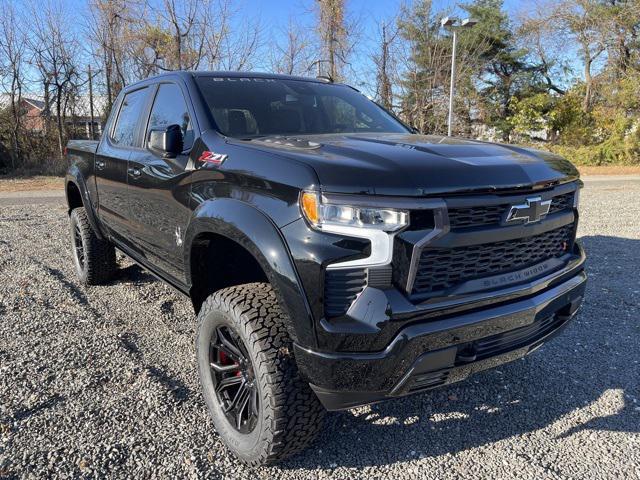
(78, 246)
(261, 406)
(93, 257)
(234, 379)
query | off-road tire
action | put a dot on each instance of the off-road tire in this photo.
(99, 263)
(289, 413)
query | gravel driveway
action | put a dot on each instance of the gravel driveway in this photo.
(101, 381)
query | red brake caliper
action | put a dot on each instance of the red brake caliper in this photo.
(225, 360)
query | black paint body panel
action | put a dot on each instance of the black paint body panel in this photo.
(345, 380)
(154, 208)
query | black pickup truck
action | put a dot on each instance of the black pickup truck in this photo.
(334, 257)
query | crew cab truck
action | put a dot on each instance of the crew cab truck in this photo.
(334, 257)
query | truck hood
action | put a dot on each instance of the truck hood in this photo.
(419, 165)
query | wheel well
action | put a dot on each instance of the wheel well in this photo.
(74, 199)
(218, 262)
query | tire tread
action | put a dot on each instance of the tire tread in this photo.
(100, 255)
(295, 414)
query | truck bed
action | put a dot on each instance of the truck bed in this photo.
(82, 146)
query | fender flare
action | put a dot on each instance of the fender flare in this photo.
(254, 231)
(74, 175)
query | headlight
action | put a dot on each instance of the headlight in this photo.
(325, 215)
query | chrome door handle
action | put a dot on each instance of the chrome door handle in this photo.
(134, 172)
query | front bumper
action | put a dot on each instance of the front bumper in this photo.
(432, 353)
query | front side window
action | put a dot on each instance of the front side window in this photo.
(170, 108)
(124, 132)
(251, 107)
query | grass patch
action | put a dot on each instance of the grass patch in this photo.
(30, 183)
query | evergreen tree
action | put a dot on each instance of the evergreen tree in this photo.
(425, 82)
(503, 72)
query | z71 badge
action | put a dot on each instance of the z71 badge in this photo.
(212, 158)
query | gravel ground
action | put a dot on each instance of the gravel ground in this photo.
(101, 381)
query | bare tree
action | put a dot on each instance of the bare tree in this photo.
(135, 39)
(221, 11)
(181, 23)
(546, 49)
(292, 53)
(12, 53)
(241, 46)
(580, 21)
(55, 53)
(108, 31)
(385, 63)
(235, 41)
(333, 35)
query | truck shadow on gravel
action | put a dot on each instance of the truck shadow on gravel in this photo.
(133, 273)
(174, 386)
(26, 413)
(585, 379)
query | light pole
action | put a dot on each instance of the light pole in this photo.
(453, 24)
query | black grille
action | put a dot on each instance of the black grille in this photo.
(561, 202)
(476, 216)
(441, 269)
(341, 287)
(468, 217)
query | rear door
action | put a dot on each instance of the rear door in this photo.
(111, 162)
(159, 187)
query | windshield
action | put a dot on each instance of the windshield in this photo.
(251, 107)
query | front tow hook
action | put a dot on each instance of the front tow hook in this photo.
(467, 355)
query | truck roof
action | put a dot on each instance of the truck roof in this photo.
(228, 74)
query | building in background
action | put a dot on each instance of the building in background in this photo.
(77, 118)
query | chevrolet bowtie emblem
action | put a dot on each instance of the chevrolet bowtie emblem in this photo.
(533, 210)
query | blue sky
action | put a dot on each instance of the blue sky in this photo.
(274, 11)
(277, 12)
(274, 15)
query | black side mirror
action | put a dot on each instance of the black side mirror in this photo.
(166, 141)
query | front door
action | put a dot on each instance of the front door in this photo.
(111, 163)
(159, 187)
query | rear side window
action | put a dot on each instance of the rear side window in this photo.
(170, 108)
(124, 132)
